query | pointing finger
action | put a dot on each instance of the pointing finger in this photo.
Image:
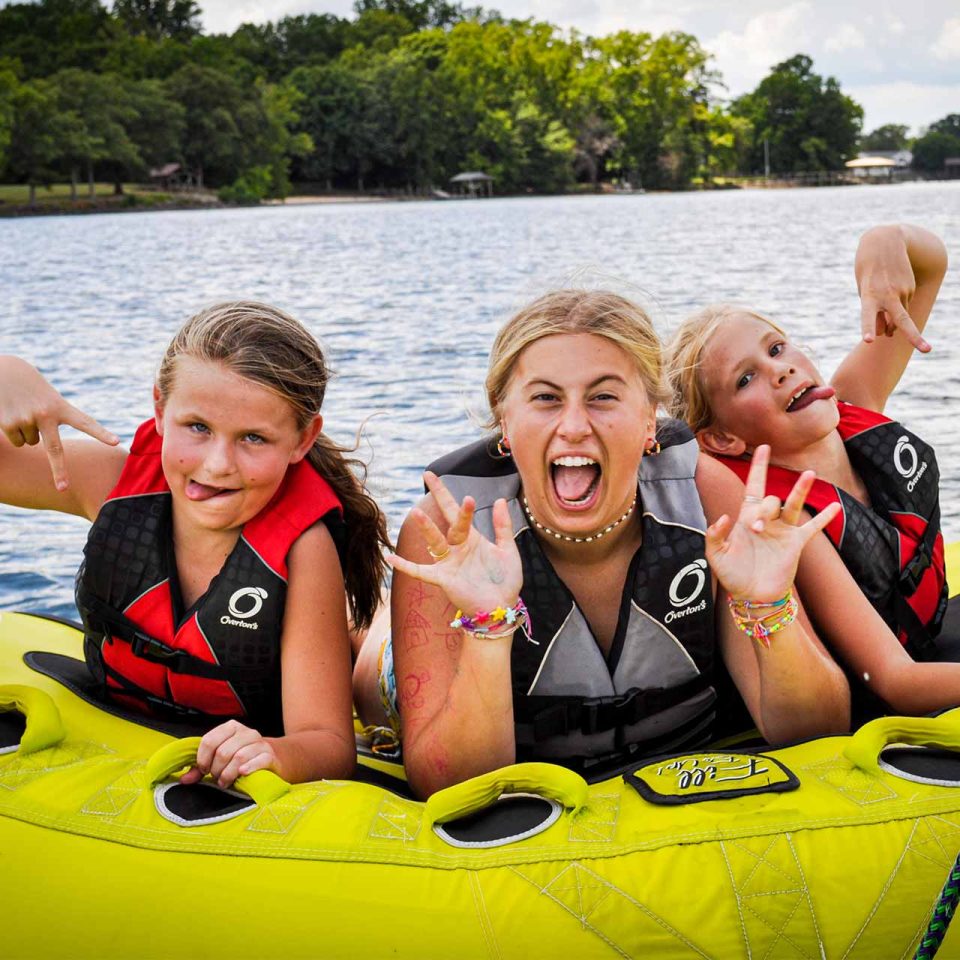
(502, 525)
(425, 572)
(904, 321)
(54, 447)
(793, 505)
(757, 477)
(815, 524)
(869, 313)
(86, 424)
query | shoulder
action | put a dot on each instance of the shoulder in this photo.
(720, 490)
(314, 556)
(95, 470)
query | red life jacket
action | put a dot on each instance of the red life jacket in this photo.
(894, 548)
(223, 658)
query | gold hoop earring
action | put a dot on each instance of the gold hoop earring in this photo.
(653, 449)
(503, 447)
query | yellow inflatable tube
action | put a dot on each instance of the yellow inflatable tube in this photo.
(834, 848)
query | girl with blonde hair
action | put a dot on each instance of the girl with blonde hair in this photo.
(875, 583)
(226, 544)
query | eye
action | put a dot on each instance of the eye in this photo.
(777, 348)
(255, 438)
(604, 397)
(744, 380)
(198, 427)
(544, 397)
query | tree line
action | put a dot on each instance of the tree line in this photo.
(404, 94)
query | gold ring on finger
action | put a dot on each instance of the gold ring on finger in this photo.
(442, 555)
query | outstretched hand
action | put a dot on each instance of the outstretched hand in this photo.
(32, 411)
(755, 557)
(887, 283)
(475, 574)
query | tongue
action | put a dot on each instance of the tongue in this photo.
(814, 393)
(573, 483)
(200, 491)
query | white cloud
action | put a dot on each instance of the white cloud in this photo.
(915, 104)
(845, 37)
(947, 45)
(746, 57)
(895, 25)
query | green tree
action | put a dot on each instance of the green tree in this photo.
(340, 111)
(930, 151)
(159, 19)
(37, 135)
(213, 146)
(891, 136)
(54, 34)
(101, 112)
(8, 90)
(950, 125)
(808, 123)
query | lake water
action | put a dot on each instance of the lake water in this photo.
(406, 298)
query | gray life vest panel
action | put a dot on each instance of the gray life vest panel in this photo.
(653, 692)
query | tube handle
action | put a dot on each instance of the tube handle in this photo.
(544, 779)
(44, 726)
(262, 786)
(865, 746)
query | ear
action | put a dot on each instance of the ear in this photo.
(308, 437)
(715, 440)
(157, 410)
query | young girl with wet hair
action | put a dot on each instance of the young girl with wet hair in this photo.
(226, 545)
(875, 583)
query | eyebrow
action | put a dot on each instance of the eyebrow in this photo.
(593, 383)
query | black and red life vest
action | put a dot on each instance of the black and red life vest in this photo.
(222, 657)
(894, 548)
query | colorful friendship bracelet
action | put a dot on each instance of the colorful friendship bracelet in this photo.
(761, 627)
(498, 623)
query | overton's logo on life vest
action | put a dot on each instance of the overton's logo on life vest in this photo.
(696, 571)
(905, 447)
(257, 595)
(908, 470)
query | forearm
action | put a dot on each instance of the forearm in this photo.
(803, 693)
(913, 689)
(314, 755)
(470, 731)
(927, 253)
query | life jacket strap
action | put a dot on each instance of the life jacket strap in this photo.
(912, 574)
(119, 627)
(545, 717)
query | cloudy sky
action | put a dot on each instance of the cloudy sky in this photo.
(901, 61)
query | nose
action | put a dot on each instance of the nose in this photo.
(574, 422)
(219, 461)
(782, 369)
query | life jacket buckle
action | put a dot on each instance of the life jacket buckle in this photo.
(606, 713)
(912, 574)
(149, 648)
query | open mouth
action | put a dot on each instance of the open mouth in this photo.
(201, 491)
(575, 480)
(803, 398)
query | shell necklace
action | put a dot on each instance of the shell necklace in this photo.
(563, 536)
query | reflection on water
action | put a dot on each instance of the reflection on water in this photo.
(406, 298)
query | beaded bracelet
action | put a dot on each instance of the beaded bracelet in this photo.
(750, 617)
(501, 622)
